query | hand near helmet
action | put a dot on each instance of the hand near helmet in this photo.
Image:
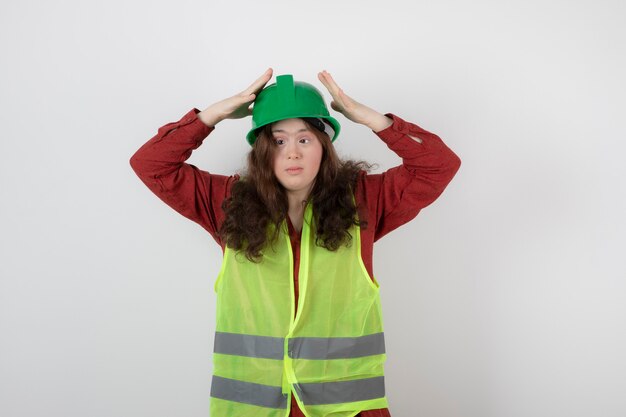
(352, 109)
(237, 106)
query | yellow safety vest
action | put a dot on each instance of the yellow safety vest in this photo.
(330, 356)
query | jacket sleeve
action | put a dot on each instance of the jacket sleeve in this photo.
(396, 196)
(160, 164)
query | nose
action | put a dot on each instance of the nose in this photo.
(292, 150)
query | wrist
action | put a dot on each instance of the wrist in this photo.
(379, 122)
(208, 117)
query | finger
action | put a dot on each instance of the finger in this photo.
(322, 77)
(260, 82)
(330, 83)
(333, 88)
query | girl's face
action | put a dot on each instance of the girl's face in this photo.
(297, 156)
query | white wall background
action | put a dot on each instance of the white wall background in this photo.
(505, 298)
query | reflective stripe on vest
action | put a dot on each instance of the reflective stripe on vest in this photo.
(248, 392)
(330, 356)
(341, 391)
(299, 347)
(311, 394)
(249, 345)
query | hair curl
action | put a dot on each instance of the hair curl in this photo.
(258, 200)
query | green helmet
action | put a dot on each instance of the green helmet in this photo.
(286, 99)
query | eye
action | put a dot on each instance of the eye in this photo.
(279, 141)
(304, 140)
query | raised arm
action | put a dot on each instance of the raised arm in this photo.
(160, 163)
(428, 165)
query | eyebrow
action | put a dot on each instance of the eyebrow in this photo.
(284, 131)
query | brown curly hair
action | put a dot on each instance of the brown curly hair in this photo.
(258, 200)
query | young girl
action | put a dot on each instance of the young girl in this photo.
(299, 328)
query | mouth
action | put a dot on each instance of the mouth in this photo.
(293, 170)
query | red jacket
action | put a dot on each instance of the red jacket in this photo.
(386, 200)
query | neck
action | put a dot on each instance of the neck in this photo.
(296, 201)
